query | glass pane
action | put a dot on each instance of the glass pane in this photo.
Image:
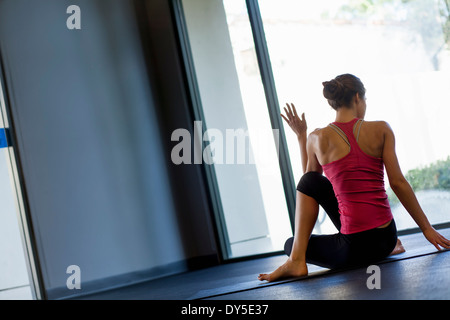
(14, 280)
(401, 51)
(239, 135)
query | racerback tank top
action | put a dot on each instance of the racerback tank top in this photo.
(358, 183)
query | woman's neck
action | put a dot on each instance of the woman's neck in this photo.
(345, 114)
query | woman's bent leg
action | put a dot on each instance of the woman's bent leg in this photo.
(329, 251)
(306, 211)
(312, 190)
(317, 186)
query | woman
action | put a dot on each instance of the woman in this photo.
(353, 154)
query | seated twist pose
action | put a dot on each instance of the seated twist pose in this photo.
(353, 154)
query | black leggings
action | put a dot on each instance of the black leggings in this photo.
(341, 250)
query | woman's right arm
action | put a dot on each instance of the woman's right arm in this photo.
(405, 193)
(299, 126)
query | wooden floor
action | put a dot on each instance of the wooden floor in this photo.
(420, 273)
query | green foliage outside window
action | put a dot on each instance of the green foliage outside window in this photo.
(435, 176)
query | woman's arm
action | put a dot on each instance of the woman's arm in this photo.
(300, 127)
(405, 193)
(303, 151)
(311, 144)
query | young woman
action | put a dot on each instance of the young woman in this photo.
(353, 154)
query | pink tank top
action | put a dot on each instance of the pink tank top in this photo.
(358, 183)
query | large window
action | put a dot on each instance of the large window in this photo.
(244, 53)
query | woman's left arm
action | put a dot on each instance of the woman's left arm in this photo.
(405, 193)
(300, 127)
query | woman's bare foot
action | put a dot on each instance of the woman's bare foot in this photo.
(289, 269)
(398, 248)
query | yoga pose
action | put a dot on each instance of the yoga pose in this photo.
(353, 154)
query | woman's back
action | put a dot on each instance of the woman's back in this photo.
(330, 146)
(354, 165)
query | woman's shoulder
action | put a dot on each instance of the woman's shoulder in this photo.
(379, 125)
(319, 132)
(376, 125)
(320, 137)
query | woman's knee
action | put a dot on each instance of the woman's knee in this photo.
(315, 185)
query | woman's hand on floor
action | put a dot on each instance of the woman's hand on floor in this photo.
(436, 239)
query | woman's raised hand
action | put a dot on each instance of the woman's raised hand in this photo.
(297, 125)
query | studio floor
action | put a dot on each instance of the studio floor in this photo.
(421, 273)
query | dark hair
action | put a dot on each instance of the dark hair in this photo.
(340, 91)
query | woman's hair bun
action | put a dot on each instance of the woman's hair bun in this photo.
(341, 90)
(333, 90)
